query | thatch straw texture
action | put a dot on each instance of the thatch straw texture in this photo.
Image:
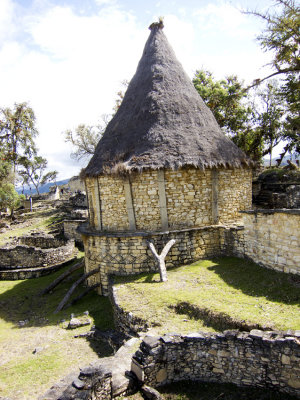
(162, 121)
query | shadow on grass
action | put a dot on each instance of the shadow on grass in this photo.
(256, 281)
(219, 321)
(22, 301)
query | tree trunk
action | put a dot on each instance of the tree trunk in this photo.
(59, 279)
(161, 258)
(73, 287)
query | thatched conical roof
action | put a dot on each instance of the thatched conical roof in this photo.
(162, 121)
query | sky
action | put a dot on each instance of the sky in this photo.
(68, 58)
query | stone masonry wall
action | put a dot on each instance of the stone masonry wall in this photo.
(128, 254)
(188, 194)
(272, 239)
(70, 229)
(21, 256)
(113, 204)
(144, 189)
(235, 193)
(263, 359)
(189, 197)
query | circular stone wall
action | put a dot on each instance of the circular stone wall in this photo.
(167, 199)
(35, 252)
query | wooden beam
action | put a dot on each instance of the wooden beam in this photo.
(97, 207)
(100, 206)
(215, 195)
(129, 204)
(162, 199)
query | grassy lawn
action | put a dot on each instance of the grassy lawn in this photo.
(224, 293)
(43, 220)
(26, 373)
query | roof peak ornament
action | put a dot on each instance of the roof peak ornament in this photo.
(159, 24)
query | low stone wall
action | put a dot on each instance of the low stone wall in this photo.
(36, 253)
(276, 195)
(30, 273)
(263, 359)
(42, 241)
(70, 229)
(127, 253)
(93, 382)
(272, 238)
(125, 321)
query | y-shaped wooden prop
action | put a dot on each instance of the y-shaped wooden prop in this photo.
(161, 258)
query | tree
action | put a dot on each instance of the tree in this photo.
(233, 109)
(253, 120)
(226, 99)
(85, 138)
(9, 198)
(281, 37)
(33, 171)
(17, 132)
(270, 116)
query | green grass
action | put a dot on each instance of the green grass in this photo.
(213, 295)
(24, 375)
(44, 220)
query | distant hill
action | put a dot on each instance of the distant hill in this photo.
(266, 161)
(43, 188)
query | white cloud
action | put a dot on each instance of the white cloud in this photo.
(223, 17)
(71, 70)
(69, 65)
(6, 19)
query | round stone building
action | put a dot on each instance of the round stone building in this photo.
(162, 170)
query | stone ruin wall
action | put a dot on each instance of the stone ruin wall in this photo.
(70, 230)
(256, 358)
(188, 195)
(129, 254)
(34, 252)
(272, 239)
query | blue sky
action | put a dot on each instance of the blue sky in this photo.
(68, 58)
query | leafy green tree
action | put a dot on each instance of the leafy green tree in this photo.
(281, 37)
(17, 132)
(233, 110)
(255, 122)
(9, 198)
(269, 117)
(226, 99)
(33, 171)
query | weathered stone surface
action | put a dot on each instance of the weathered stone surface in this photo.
(150, 393)
(35, 251)
(161, 375)
(272, 239)
(78, 322)
(245, 361)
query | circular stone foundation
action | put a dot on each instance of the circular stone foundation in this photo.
(33, 256)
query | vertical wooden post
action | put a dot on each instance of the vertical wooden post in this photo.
(129, 204)
(215, 193)
(88, 203)
(97, 205)
(100, 207)
(162, 199)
